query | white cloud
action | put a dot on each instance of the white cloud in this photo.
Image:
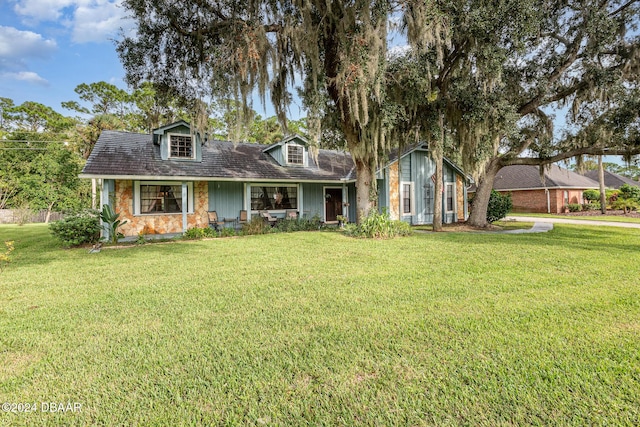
(26, 76)
(99, 21)
(17, 46)
(43, 10)
(88, 20)
(18, 43)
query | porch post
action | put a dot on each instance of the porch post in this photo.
(185, 207)
(300, 203)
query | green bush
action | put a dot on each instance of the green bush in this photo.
(591, 195)
(228, 232)
(378, 226)
(593, 206)
(111, 219)
(77, 229)
(199, 233)
(256, 225)
(299, 224)
(631, 192)
(627, 205)
(499, 206)
(574, 207)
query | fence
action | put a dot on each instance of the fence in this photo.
(24, 216)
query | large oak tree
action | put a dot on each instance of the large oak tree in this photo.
(335, 51)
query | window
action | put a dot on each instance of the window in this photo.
(406, 202)
(566, 198)
(270, 197)
(450, 196)
(154, 197)
(295, 154)
(180, 146)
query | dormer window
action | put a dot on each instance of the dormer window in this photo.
(180, 146)
(295, 154)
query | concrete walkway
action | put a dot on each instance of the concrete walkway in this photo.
(550, 221)
(538, 227)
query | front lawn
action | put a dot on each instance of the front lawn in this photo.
(315, 328)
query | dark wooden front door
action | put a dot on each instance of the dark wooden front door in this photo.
(332, 203)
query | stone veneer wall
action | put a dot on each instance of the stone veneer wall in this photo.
(460, 198)
(161, 223)
(394, 191)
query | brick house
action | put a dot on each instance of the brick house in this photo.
(550, 192)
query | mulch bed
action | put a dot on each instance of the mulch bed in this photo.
(598, 213)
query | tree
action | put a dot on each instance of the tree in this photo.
(581, 53)
(103, 97)
(231, 48)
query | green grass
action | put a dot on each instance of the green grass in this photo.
(610, 218)
(319, 329)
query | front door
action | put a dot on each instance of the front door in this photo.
(332, 204)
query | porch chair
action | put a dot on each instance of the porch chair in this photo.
(268, 218)
(291, 214)
(214, 221)
(242, 219)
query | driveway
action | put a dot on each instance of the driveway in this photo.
(539, 220)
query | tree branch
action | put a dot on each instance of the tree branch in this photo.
(590, 151)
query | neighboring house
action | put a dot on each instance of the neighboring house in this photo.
(550, 193)
(168, 181)
(611, 180)
(406, 187)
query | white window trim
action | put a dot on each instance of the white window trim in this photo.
(136, 197)
(286, 154)
(271, 184)
(412, 199)
(453, 194)
(193, 146)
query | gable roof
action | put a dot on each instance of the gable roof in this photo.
(124, 155)
(393, 157)
(524, 177)
(611, 180)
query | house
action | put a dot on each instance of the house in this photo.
(406, 187)
(549, 193)
(167, 181)
(611, 180)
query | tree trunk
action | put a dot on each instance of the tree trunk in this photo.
(603, 193)
(366, 188)
(437, 191)
(437, 154)
(478, 216)
(48, 217)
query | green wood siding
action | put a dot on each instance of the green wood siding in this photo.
(313, 200)
(226, 198)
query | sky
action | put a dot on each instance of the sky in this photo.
(48, 47)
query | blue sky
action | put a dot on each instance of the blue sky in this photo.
(48, 47)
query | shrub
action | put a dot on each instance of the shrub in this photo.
(256, 225)
(199, 233)
(299, 224)
(77, 229)
(574, 207)
(591, 195)
(627, 205)
(612, 195)
(378, 226)
(593, 206)
(228, 232)
(499, 206)
(110, 218)
(630, 192)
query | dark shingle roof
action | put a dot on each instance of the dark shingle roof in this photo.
(520, 177)
(611, 180)
(121, 154)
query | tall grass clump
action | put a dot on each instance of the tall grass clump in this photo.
(378, 225)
